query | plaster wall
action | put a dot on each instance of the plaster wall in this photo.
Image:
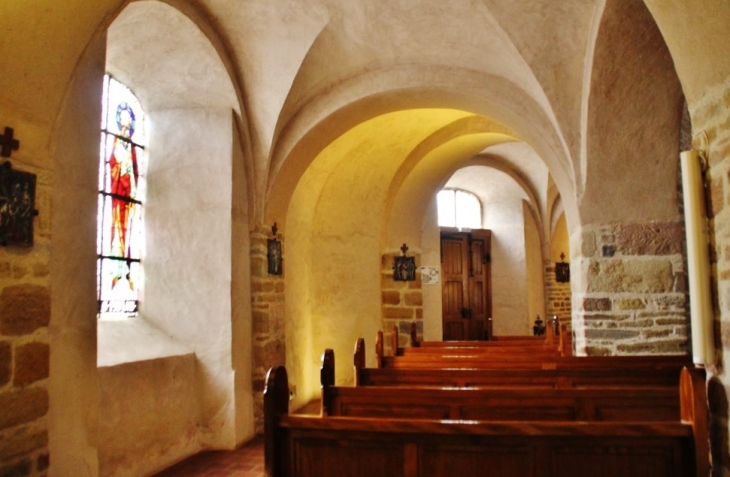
(73, 383)
(150, 411)
(509, 270)
(431, 257)
(188, 267)
(533, 266)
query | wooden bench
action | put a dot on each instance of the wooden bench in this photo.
(617, 403)
(550, 344)
(470, 357)
(326, 446)
(573, 372)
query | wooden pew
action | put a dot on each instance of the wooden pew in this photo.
(624, 403)
(556, 338)
(325, 446)
(523, 340)
(569, 372)
(484, 358)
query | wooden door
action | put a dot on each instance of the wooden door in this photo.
(466, 284)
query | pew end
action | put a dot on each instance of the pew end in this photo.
(694, 410)
(359, 361)
(276, 405)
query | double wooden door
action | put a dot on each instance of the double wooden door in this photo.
(466, 284)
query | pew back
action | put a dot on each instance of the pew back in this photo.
(304, 446)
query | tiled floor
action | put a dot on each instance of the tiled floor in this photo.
(247, 461)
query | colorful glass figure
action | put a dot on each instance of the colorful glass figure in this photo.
(121, 188)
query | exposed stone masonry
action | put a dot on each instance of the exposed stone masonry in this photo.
(268, 312)
(633, 298)
(710, 120)
(402, 303)
(25, 314)
(557, 296)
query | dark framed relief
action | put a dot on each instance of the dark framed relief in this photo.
(404, 269)
(273, 256)
(562, 272)
(17, 206)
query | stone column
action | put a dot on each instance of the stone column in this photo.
(268, 310)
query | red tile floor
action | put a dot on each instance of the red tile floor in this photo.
(246, 461)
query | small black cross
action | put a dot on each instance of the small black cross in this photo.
(8, 143)
(404, 249)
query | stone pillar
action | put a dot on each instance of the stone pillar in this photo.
(268, 310)
(632, 293)
(402, 303)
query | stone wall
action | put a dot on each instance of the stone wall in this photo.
(267, 303)
(710, 119)
(402, 303)
(557, 296)
(633, 294)
(25, 313)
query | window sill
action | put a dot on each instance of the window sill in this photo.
(127, 340)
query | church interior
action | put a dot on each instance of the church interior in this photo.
(307, 143)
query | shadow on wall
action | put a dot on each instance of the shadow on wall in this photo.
(718, 420)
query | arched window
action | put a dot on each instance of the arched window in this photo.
(458, 208)
(122, 165)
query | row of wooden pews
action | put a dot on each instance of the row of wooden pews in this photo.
(545, 416)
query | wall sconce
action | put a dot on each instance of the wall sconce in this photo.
(404, 268)
(273, 253)
(562, 270)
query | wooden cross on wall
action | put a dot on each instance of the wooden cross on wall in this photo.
(8, 143)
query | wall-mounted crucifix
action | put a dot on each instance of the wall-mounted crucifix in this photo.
(8, 143)
(17, 206)
(404, 268)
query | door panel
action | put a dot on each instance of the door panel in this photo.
(466, 285)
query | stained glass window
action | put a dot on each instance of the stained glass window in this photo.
(458, 208)
(120, 231)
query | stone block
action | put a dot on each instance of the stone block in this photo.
(19, 469)
(630, 304)
(43, 462)
(676, 346)
(19, 271)
(41, 270)
(657, 333)
(21, 443)
(6, 362)
(644, 323)
(397, 312)
(20, 407)
(657, 238)
(611, 334)
(31, 363)
(597, 351)
(24, 309)
(630, 276)
(597, 304)
(391, 297)
(414, 298)
(588, 244)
